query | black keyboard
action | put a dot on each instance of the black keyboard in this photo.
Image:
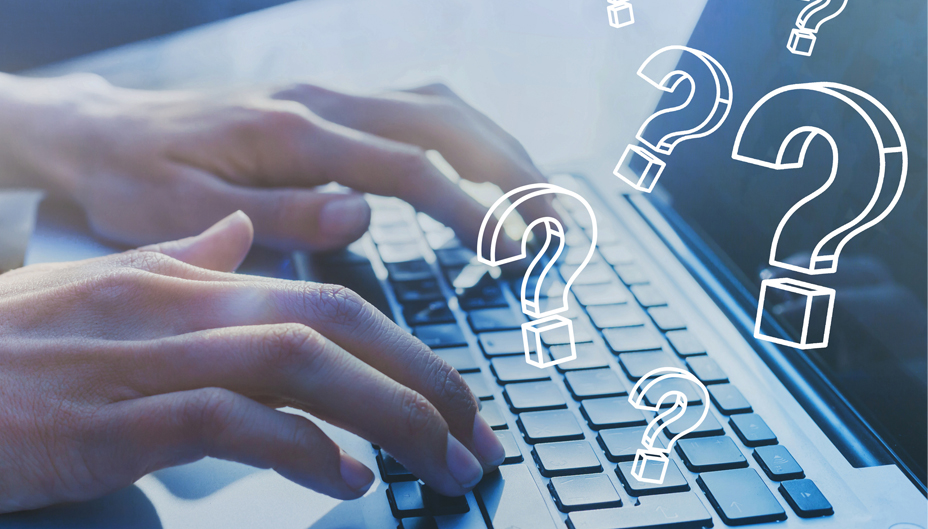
(569, 431)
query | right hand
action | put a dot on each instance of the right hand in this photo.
(114, 367)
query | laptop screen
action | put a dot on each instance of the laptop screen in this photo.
(878, 341)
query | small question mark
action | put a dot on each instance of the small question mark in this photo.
(621, 13)
(781, 106)
(547, 320)
(715, 113)
(650, 452)
(810, 20)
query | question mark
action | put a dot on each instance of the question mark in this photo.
(715, 116)
(546, 320)
(621, 13)
(810, 20)
(662, 420)
(781, 106)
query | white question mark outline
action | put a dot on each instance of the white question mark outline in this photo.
(529, 192)
(636, 399)
(838, 91)
(669, 84)
(803, 31)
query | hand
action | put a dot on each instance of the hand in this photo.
(147, 166)
(115, 367)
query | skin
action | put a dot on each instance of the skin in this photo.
(115, 367)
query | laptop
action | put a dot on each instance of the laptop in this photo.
(824, 437)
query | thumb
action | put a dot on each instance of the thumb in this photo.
(222, 247)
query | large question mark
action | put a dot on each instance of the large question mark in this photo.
(621, 13)
(546, 320)
(650, 452)
(810, 20)
(715, 113)
(781, 105)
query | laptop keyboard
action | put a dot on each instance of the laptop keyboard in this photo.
(571, 423)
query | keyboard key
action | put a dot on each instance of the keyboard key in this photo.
(589, 356)
(510, 498)
(418, 292)
(593, 295)
(460, 358)
(515, 369)
(566, 458)
(534, 396)
(613, 412)
(592, 274)
(637, 365)
(498, 319)
(410, 271)
(673, 481)
(752, 429)
(621, 444)
(678, 511)
(484, 295)
(710, 453)
(491, 412)
(707, 428)
(419, 522)
(560, 335)
(617, 315)
(576, 493)
(666, 318)
(549, 426)
(393, 234)
(728, 399)
(510, 448)
(573, 311)
(503, 343)
(685, 343)
(478, 385)
(594, 383)
(805, 498)
(427, 312)
(440, 335)
(616, 254)
(629, 339)
(648, 295)
(412, 498)
(392, 470)
(693, 393)
(454, 257)
(576, 255)
(706, 370)
(778, 463)
(631, 274)
(443, 240)
(399, 253)
(552, 287)
(740, 497)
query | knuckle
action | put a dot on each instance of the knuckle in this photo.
(417, 413)
(291, 345)
(337, 304)
(447, 385)
(207, 411)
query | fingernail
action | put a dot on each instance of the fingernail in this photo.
(357, 476)
(489, 449)
(346, 216)
(225, 222)
(464, 467)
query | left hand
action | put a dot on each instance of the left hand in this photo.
(149, 166)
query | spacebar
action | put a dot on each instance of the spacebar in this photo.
(510, 498)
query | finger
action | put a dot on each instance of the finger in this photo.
(295, 364)
(349, 322)
(175, 428)
(222, 247)
(301, 218)
(434, 118)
